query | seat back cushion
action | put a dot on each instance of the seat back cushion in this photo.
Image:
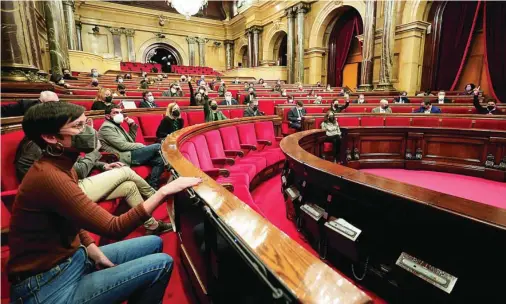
(397, 121)
(150, 123)
(247, 134)
(230, 138)
(491, 124)
(348, 121)
(372, 121)
(214, 144)
(202, 152)
(195, 117)
(10, 142)
(464, 123)
(188, 150)
(426, 122)
(265, 130)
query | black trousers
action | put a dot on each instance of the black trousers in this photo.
(336, 145)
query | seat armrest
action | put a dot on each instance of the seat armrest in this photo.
(223, 161)
(264, 142)
(279, 138)
(150, 139)
(216, 172)
(234, 153)
(228, 186)
(8, 197)
(108, 157)
(248, 147)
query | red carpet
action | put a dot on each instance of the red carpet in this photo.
(472, 188)
(269, 198)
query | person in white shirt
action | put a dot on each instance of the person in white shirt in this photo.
(318, 100)
(331, 127)
(360, 100)
(383, 108)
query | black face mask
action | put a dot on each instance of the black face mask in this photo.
(176, 113)
(490, 108)
(214, 107)
(385, 107)
(108, 99)
(95, 84)
(122, 92)
(331, 118)
(255, 108)
(336, 107)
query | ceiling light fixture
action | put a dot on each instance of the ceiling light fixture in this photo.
(187, 8)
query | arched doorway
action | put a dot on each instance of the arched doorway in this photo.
(280, 49)
(244, 56)
(163, 54)
(344, 55)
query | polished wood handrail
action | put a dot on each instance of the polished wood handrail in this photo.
(462, 207)
(309, 279)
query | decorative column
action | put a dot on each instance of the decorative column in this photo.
(191, 49)
(368, 47)
(290, 15)
(202, 50)
(79, 38)
(256, 44)
(229, 54)
(70, 27)
(56, 36)
(116, 40)
(387, 47)
(302, 9)
(250, 47)
(20, 43)
(129, 33)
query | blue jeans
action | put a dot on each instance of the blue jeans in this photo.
(141, 275)
(149, 155)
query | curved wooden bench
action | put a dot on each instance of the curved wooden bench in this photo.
(447, 234)
(291, 268)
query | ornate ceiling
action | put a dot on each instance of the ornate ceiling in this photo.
(217, 10)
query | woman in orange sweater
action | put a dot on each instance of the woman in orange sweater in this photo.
(53, 259)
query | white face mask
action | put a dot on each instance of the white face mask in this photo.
(95, 74)
(441, 96)
(120, 80)
(173, 90)
(118, 118)
(228, 98)
(151, 98)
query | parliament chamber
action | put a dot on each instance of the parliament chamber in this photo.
(246, 151)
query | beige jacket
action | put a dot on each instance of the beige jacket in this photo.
(115, 139)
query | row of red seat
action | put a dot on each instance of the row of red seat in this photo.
(208, 151)
(181, 69)
(140, 67)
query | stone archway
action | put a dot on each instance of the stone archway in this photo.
(179, 52)
(243, 56)
(163, 54)
(274, 47)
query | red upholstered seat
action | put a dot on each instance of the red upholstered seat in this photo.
(355, 109)
(6, 217)
(490, 124)
(461, 123)
(426, 122)
(402, 109)
(391, 121)
(230, 140)
(10, 142)
(265, 131)
(5, 285)
(236, 113)
(266, 106)
(247, 135)
(149, 124)
(195, 117)
(242, 192)
(458, 110)
(348, 121)
(372, 121)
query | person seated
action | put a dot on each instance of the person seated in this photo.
(284, 92)
(165, 75)
(319, 84)
(115, 139)
(148, 100)
(425, 93)
(332, 132)
(336, 108)
(251, 95)
(469, 89)
(261, 81)
(222, 89)
(20, 107)
(182, 78)
(236, 81)
(67, 75)
(295, 115)
(252, 109)
(229, 101)
(172, 91)
(212, 84)
(103, 100)
(300, 87)
(277, 88)
(170, 123)
(211, 112)
(318, 100)
(428, 108)
(490, 109)
(144, 84)
(383, 108)
(251, 85)
(94, 73)
(116, 180)
(159, 77)
(200, 97)
(127, 76)
(265, 85)
(290, 99)
(360, 100)
(202, 81)
(341, 92)
(441, 98)
(120, 91)
(246, 86)
(328, 88)
(51, 208)
(311, 93)
(94, 82)
(144, 74)
(402, 98)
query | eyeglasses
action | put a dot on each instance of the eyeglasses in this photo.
(82, 125)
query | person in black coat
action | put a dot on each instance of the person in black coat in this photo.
(229, 101)
(490, 109)
(402, 98)
(170, 123)
(336, 108)
(148, 100)
(295, 115)
(21, 106)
